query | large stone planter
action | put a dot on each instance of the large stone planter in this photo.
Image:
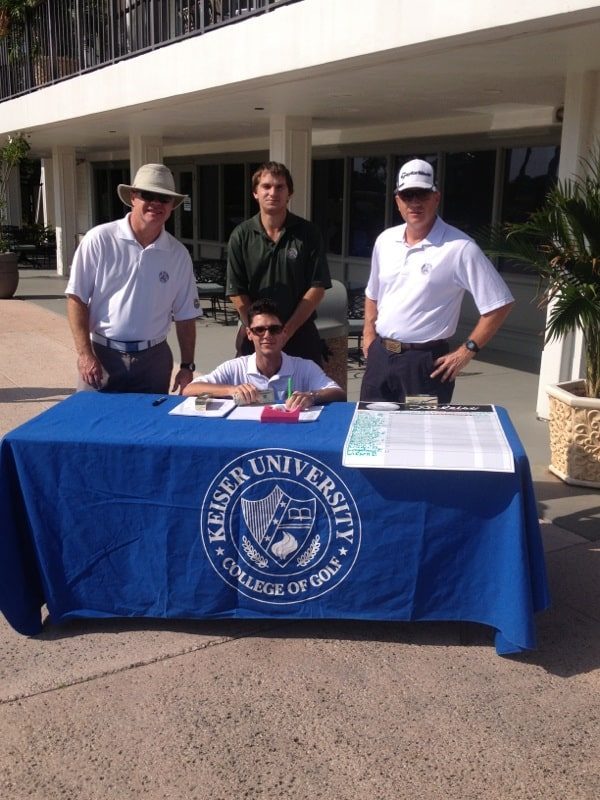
(9, 274)
(574, 434)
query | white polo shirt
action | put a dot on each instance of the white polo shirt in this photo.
(419, 289)
(306, 376)
(133, 292)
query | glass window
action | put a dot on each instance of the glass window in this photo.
(367, 204)
(107, 205)
(469, 189)
(233, 197)
(253, 208)
(186, 208)
(529, 173)
(328, 201)
(208, 202)
(30, 170)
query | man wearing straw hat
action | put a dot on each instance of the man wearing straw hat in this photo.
(129, 279)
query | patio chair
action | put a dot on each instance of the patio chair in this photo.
(210, 282)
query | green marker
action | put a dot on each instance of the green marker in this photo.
(289, 387)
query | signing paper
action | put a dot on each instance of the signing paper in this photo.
(445, 437)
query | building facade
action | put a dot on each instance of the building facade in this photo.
(501, 99)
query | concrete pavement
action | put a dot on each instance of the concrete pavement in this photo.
(120, 709)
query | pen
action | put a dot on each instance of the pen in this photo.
(159, 401)
(289, 393)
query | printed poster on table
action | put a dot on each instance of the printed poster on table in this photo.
(445, 437)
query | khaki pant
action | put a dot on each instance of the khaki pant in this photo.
(148, 371)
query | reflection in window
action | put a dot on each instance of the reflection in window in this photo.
(529, 173)
(233, 197)
(107, 205)
(367, 204)
(253, 207)
(469, 189)
(208, 201)
(328, 201)
(185, 209)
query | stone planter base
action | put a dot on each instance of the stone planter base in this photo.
(9, 274)
(574, 434)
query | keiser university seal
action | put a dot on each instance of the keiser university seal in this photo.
(279, 526)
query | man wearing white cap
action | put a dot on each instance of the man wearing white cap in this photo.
(129, 279)
(419, 274)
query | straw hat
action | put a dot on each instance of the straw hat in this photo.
(151, 178)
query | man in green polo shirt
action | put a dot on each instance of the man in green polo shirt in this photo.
(278, 255)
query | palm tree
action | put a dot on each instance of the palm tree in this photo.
(560, 242)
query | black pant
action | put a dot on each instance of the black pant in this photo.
(305, 343)
(392, 376)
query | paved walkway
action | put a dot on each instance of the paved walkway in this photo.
(122, 709)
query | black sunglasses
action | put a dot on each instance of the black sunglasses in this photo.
(259, 330)
(414, 194)
(153, 197)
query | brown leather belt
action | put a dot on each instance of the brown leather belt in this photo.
(394, 346)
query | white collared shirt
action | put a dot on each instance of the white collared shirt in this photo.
(306, 376)
(419, 288)
(133, 292)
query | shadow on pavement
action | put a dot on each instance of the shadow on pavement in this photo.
(33, 393)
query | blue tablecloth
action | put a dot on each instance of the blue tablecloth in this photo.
(112, 507)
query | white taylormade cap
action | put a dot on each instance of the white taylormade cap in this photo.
(416, 174)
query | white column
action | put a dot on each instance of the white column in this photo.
(290, 143)
(47, 190)
(563, 359)
(65, 206)
(144, 150)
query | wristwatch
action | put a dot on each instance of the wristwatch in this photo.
(191, 366)
(472, 346)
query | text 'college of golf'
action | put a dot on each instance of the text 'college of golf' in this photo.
(279, 526)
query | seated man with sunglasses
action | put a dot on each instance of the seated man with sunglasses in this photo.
(268, 368)
(419, 274)
(129, 280)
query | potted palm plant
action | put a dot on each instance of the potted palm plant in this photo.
(12, 153)
(560, 242)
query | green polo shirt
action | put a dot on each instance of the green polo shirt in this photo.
(282, 271)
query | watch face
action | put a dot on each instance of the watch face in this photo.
(470, 345)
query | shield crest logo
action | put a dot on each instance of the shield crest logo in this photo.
(279, 524)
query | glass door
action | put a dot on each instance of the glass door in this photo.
(182, 223)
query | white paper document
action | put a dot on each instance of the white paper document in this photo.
(452, 437)
(215, 407)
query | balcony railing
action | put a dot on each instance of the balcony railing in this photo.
(57, 40)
